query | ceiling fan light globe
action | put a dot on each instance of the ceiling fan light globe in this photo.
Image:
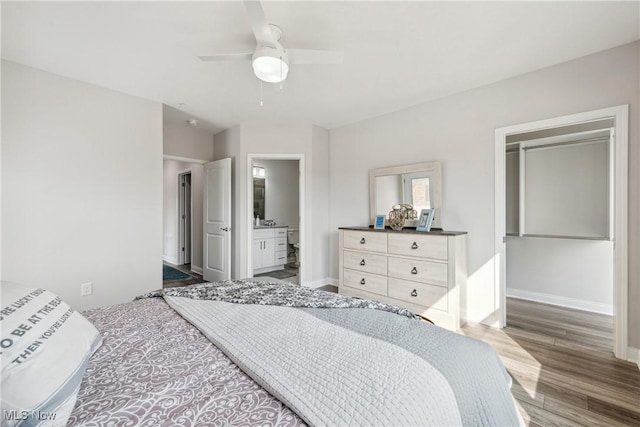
(271, 69)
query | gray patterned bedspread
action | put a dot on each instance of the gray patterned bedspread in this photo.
(155, 369)
(350, 366)
(267, 291)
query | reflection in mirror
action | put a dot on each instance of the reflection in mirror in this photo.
(417, 184)
(258, 197)
(389, 193)
(412, 188)
(258, 191)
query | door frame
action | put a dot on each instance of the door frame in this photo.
(620, 114)
(181, 235)
(304, 268)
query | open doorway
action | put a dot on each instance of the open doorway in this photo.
(276, 207)
(185, 219)
(537, 166)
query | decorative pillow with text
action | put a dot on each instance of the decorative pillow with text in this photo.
(45, 346)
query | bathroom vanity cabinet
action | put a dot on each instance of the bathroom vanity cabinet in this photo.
(269, 249)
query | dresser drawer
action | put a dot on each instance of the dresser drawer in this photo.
(263, 233)
(281, 244)
(418, 293)
(280, 232)
(365, 281)
(281, 258)
(365, 240)
(364, 261)
(434, 273)
(418, 246)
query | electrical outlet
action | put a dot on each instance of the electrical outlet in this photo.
(86, 289)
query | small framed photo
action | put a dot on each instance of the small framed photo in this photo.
(425, 219)
(379, 225)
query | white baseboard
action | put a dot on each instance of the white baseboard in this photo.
(170, 260)
(561, 301)
(196, 269)
(633, 355)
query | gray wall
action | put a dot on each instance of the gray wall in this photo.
(81, 188)
(570, 272)
(184, 140)
(281, 138)
(459, 130)
(566, 191)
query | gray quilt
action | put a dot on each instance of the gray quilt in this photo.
(350, 366)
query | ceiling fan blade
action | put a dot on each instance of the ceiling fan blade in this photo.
(310, 56)
(226, 57)
(259, 24)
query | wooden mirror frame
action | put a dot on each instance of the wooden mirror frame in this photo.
(435, 168)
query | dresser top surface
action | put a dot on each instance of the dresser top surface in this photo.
(408, 230)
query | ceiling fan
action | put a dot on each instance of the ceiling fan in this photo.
(270, 60)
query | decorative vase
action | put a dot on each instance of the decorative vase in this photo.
(397, 218)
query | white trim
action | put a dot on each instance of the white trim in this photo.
(304, 267)
(633, 355)
(184, 159)
(578, 304)
(196, 269)
(169, 259)
(620, 276)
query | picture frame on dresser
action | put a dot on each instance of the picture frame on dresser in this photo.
(425, 220)
(379, 224)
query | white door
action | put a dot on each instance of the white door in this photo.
(217, 221)
(268, 253)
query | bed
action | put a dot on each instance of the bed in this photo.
(263, 352)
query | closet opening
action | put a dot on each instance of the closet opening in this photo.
(561, 263)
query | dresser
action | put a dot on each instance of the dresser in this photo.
(269, 249)
(422, 272)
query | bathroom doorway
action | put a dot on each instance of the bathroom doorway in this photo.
(276, 207)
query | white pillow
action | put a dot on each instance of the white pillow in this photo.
(45, 347)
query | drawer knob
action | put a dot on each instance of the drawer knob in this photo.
(414, 270)
(363, 241)
(362, 262)
(414, 246)
(414, 293)
(362, 281)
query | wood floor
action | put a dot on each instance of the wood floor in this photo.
(564, 372)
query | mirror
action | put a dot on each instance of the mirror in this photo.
(258, 197)
(258, 191)
(417, 184)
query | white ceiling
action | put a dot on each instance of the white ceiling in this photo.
(396, 54)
